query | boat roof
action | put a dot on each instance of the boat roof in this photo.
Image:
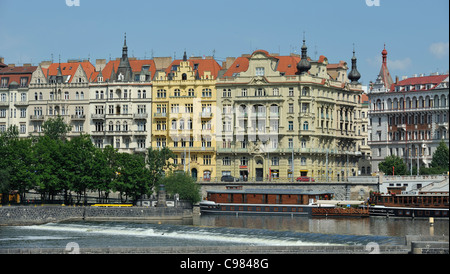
(269, 191)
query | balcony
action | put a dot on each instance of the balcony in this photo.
(160, 115)
(37, 117)
(141, 116)
(193, 149)
(206, 114)
(79, 117)
(21, 103)
(141, 132)
(98, 116)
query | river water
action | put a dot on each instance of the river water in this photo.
(221, 230)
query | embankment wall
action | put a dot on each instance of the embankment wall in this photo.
(32, 215)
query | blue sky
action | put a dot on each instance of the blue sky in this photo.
(415, 32)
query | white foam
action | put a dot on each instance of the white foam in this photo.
(200, 235)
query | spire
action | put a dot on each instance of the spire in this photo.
(384, 74)
(304, 65)
(125, 48)
(354, 75)
(184, 56)
(59, 76)
(124, 70)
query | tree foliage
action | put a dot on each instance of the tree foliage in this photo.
(393, 165)
(440, 157)
(53, 165)
(183, 184)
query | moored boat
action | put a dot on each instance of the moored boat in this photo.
(236, 200)
(407, 204)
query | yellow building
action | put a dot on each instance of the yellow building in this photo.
(184, 99)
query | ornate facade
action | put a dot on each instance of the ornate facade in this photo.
(183, 109)
(284, 116)
(408, 118)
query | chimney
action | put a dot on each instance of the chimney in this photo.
(100, 64)
(396, 79)
(11, 65)
(2, 60)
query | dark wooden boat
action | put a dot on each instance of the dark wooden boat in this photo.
(412, 205)
(235, 200)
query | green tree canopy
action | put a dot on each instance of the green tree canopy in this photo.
(55, 128)
(393, 164)
(440, 157)
(183, 184)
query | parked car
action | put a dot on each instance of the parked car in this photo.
(305, 179)
(229, 178)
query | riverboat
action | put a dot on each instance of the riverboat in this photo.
(236, 200)
(409, 204)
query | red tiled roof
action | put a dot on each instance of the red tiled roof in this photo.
(286, 64)
(136, 66)
(239, 65)
(210, 65)
(432, 79)
(69, 69)
(16, 73)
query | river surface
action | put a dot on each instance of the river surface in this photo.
(221, 231)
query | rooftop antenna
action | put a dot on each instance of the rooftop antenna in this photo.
(214, 53)
(315, 52)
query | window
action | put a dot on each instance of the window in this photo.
(291, 108)
(291, 143)
(259, 71)
(303, 161)
(244, 161)
(291, 92)
(275, 161)
(291, 125)
(305, 126)
(226, 161)
(244, 92)
(207, 160)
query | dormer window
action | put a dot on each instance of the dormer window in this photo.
(259, 71)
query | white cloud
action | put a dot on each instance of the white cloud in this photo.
(399, 64)
(439, 50)
(402, 64)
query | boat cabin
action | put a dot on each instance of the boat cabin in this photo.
(238, 195)
(410, 200)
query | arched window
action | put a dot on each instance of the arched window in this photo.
(305, 126)
(184, 76)
(174, 124)
(181, 124)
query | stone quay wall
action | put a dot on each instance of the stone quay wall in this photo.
(30, 215)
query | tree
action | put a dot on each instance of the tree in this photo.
(132, 177)
(16, 163)
(393, 165)
(440, 159)
(158, 164)
(183, 184)
(56, 128)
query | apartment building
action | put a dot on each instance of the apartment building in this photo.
(408, 118)
(183, 109)
(14, 96)
(288, 116)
